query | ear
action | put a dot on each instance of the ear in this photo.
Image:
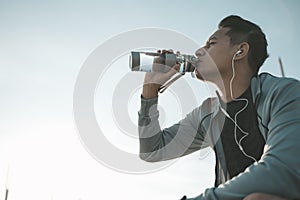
(242, 51)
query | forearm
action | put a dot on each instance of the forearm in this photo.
(269, 176)
(175, 141)
(277, 172)
(149, 128)
(150, 91)
(152, 138)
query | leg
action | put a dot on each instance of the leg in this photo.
(261, 196)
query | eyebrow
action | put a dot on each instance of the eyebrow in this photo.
(213, 38)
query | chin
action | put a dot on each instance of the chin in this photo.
(198, 75)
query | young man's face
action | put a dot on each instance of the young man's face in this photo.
(216, 56)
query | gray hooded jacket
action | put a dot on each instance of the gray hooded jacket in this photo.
(277, 102)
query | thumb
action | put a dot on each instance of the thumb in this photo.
(173, 70)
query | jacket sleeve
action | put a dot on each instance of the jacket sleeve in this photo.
(178, 140)
(278, 171)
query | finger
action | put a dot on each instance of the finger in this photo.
(176, 67)
(170, 51)
(173, 70)
(167, 51)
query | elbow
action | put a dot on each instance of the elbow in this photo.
(148, 157)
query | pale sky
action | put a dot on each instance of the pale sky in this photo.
(43, 45)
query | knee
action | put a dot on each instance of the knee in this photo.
(261, 196)
(254, 196)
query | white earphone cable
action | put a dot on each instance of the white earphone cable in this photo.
(236, 114)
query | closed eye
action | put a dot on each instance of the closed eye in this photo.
(210, 43)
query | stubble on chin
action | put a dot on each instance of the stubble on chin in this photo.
(198, 75)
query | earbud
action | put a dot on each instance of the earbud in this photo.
(238, 52)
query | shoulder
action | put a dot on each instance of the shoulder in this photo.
(269, 81)
(278, 87)
(276, 95)
(207, 107)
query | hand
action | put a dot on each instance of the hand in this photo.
(154, 80)
(262, 196)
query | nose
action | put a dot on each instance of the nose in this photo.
(200, 52)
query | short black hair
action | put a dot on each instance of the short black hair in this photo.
(242, 30)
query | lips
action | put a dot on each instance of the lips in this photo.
(196, 64)
(197, 67)
(196, 72)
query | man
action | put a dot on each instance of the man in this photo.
(253, 125)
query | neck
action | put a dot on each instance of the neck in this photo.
(239, 84)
